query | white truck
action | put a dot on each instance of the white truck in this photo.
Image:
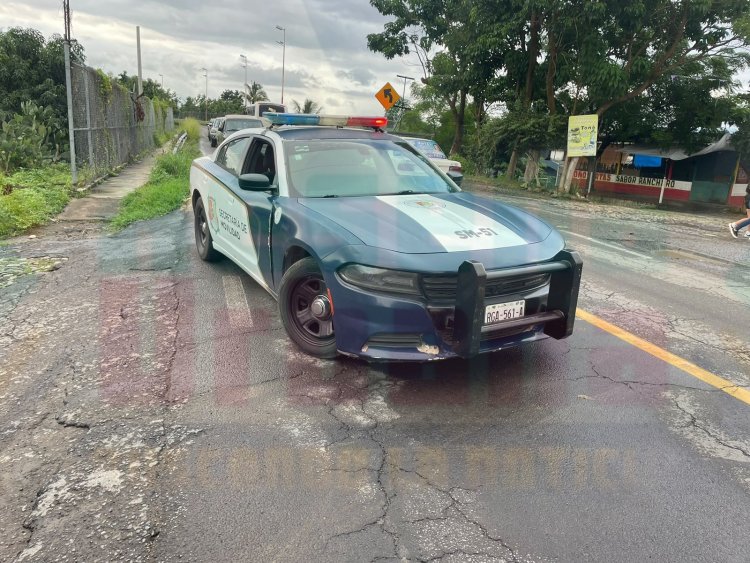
(259, 108)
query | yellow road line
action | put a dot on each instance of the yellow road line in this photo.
(699, 373)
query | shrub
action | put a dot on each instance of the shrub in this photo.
(192, 127)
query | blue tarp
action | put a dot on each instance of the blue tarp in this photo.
(646, 161)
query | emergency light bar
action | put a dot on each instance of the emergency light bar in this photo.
(332, 120)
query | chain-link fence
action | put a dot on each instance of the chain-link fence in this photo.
(111, 125)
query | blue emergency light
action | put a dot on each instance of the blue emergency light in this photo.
(332, 120)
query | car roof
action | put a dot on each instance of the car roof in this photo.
(240, 116)
(303, 133)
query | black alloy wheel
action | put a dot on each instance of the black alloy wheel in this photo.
(306, 310)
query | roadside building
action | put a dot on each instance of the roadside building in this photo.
(714, 174)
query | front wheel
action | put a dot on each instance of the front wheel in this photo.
(306, 312)
(204, 242)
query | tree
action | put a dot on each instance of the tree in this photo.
(255, 93)
(308, 106)
(740, 121)
(34, 69)
(614, 52)
(444, 37)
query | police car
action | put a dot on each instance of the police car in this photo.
(371, 251)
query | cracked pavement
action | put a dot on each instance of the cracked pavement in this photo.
(153, 409)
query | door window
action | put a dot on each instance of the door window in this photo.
(232, 155)
(261, 160)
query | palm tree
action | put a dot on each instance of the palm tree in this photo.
(255, 93)
(308, 107)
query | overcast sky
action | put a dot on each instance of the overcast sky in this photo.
(327, 58)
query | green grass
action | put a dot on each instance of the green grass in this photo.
(167, 187)
(192, 127)
(33, 197)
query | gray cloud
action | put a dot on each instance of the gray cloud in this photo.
(326, 53)
(358, 76)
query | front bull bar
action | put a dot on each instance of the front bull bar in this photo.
(558, 318)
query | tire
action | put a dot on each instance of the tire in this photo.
(204, 242)
(301, 285)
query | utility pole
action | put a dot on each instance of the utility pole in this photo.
(205, 74)
(138, 47)
(162, 81)
(283, 59)
(69, 94)
(245, 86)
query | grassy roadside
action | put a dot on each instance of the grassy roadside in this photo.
(32, 197)
(168, 184)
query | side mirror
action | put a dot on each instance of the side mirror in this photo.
(254, 182)
(457, 177)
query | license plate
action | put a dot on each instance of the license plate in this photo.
(500, 312)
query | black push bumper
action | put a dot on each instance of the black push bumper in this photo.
(557, 318)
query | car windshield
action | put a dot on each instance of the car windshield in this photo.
(360, 167)
(237, 124)
(430, 148)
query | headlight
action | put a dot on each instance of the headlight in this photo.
(380, 279)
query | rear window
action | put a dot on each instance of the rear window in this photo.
(263, 108)
(430, 148)
(237, 124)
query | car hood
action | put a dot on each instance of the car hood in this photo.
(420, 223)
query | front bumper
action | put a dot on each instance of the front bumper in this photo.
(379, 327)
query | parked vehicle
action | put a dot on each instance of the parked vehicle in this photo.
(370, 251)
(258, 109)
(214, 129)
(432, 150)
(233, 123)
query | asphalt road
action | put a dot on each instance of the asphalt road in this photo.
(153, 409)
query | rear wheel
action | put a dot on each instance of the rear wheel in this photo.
(204, 242)
(306, 312)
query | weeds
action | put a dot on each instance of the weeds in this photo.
(32, 197)
(167, 187)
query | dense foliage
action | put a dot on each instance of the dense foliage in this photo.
(33, 106)
(657, 71)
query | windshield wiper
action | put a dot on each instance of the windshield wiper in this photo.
(329, 195)
(405, 192)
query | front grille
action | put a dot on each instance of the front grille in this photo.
(442, 289)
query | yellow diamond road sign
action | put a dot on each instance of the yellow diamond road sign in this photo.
(387, 96)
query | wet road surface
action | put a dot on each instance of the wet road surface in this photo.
(153, 409)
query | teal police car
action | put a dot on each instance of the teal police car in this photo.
(372, 251)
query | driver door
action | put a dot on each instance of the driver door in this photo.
(261, 159)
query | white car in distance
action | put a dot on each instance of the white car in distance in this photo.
(432, 150)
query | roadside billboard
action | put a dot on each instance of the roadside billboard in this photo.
(582, 133)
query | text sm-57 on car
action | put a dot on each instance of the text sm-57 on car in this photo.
(371, 250)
